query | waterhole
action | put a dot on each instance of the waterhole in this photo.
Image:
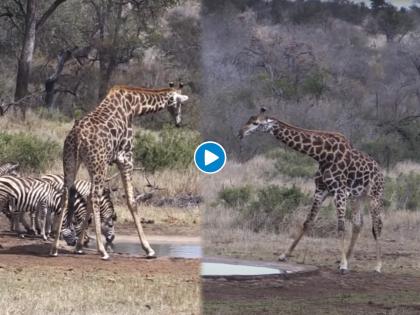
(223, 269)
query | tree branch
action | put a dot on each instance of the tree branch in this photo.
(48, 13)
(20, 6)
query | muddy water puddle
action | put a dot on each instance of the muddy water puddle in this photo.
(177, 247)
(223, 269)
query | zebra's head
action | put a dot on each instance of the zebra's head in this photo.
(69, 235)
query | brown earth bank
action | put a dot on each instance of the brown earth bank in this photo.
(326, 292)
(157, 229)
(31, 282)
(21, 253)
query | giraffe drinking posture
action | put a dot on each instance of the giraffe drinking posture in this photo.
(103, 137)
(344, 173)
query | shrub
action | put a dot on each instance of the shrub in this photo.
(32, 153)
(403, 192)
(288, 88)
(236, 196)
(387, 150)
(171, 148)
(293, 164)
(271, 206)
(315, 84)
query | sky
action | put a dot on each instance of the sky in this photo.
(397, 3)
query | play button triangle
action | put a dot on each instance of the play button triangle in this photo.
(209, 157)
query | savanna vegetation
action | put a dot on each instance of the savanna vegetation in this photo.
(58, 58)
(330, 65)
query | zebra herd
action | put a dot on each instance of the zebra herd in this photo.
(40, 199)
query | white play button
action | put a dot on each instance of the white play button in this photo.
(209, 157)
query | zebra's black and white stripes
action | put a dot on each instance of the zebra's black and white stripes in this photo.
(27, 195)
(9, 169)
(107, 211)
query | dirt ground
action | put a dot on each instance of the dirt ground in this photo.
(21, 253)
(327, 292)
(31, 282)
(361, 291)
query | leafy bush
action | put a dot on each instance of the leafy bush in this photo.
(271, 206)
(288, 88)
(32, 153)
(403, 192)
(315, 84)
(236, 196)
(387, 150)
(293, 164)
(171, 148)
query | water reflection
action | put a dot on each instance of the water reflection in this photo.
(221, 269)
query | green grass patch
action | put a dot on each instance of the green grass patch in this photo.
(236, 196)
(170, 148)
(31, 152)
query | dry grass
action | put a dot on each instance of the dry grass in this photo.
(400, 243)
(162, 215)
(41, 290)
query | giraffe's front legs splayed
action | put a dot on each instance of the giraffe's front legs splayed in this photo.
(319, 197)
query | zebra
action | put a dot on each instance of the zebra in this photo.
(9, 169)
(107, 211)
(36, 197)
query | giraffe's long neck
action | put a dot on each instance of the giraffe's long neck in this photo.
(317, 145)
(146, 103)
(129, 103)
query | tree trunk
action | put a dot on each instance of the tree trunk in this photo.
(104, 74)
(62, 58)
(26, 56)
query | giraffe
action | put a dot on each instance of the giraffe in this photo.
(103, 137)
(345, 173)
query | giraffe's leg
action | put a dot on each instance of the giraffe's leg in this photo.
(58, 221)
(70, 167)
(376, 209)
(95, 196)
(126, 170)
(83, 229)
(340, 202)
(357, 224)
(319, 197)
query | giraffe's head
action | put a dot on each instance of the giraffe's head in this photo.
(175, 100)
(256, 123)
